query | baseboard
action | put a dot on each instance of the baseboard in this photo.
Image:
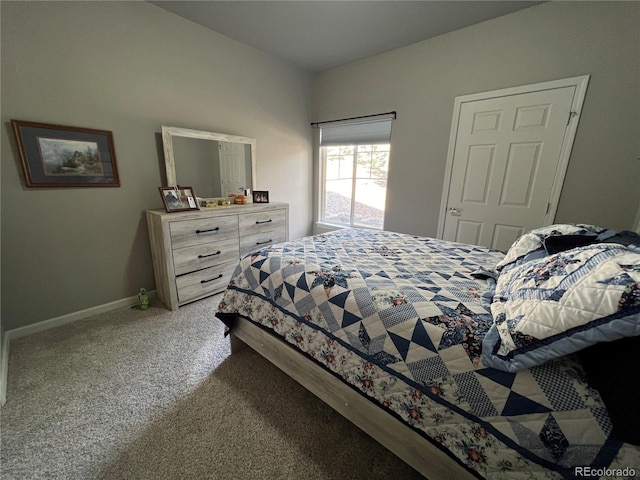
(4, 368)
(52, 323)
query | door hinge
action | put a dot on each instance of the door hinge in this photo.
(571, 115)
(548, 207)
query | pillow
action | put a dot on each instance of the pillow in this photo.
(562, 303)
(559, 243)
(531, 246)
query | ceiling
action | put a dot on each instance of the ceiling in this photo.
(318, 35)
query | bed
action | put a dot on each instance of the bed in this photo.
(424, 345)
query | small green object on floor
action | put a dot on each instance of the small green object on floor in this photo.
(143, 300)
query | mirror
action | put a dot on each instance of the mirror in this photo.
(214, 164)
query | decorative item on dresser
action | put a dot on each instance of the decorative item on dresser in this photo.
(260, 196)
(178, 199)
(194, 253)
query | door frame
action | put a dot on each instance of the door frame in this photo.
(580, 83)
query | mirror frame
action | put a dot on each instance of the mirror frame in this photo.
(170, 162)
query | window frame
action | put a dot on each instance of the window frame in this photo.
(321, 209)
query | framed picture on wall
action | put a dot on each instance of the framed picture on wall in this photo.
(63, 156)
(260, 196)
(178, 199)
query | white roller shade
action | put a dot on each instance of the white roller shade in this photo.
(366, 131)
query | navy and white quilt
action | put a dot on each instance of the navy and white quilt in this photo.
(563, 303)
(400, 318)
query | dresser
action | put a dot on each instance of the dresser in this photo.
(195, 252)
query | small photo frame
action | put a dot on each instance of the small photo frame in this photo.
(178, 199)
(63, 156)
(260, 196)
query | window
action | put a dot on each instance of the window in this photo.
(355, 185)
(354, 165)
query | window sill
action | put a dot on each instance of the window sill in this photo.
(323, 227)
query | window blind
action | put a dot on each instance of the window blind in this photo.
(359, 131)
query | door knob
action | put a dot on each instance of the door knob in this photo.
(454, 212)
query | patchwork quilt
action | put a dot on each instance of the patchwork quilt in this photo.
(401, 319)
(563, 303)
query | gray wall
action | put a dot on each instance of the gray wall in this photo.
(128, 67)
(547, 42)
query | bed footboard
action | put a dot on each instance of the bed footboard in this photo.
(408, 445)
(237, 345)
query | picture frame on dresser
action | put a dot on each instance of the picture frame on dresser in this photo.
(178, 199)
(260, 196)
(65, 156)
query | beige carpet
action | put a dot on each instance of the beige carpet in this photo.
(156, 395)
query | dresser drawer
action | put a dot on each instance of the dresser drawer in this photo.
(186, 233)
(257, 241)
(262, 222)
(190, 259)
(204, 282)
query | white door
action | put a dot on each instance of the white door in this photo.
(233, 176)
(505, 165)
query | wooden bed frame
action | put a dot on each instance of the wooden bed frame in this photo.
(397, 437)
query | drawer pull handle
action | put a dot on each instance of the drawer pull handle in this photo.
(209, 255)
(211, 279)
(208, 231)
(262, 243)
(266, 221)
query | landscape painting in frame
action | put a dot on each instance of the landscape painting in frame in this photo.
(63, 156)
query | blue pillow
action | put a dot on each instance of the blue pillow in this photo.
(531, 246)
